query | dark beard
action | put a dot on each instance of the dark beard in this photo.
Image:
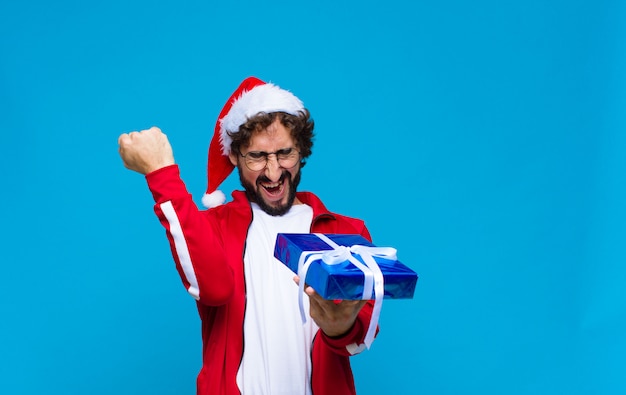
(253, 195)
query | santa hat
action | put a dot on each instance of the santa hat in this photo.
(251, 97)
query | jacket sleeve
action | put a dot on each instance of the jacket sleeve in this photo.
(196, 244)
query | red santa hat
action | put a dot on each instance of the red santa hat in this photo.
(251, 97)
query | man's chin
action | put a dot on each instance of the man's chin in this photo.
(277, 208)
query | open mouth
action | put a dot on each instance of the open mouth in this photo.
(274, 188)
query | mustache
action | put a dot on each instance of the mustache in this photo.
(264, 179)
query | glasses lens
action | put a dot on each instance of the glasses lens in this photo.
(288, 158)
(257, 161)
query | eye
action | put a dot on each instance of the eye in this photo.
(256, 155)
(285, 152)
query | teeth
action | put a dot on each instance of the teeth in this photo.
(272, 185)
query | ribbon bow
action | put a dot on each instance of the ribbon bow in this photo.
(373, 277)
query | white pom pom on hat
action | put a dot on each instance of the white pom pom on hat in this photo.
(253, 96)
(213, 199)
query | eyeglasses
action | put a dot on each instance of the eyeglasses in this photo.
(257, 160)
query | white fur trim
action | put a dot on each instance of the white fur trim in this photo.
(213, 199)
(262, 98)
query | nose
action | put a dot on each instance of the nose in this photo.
(272, 168)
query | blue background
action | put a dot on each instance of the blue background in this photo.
(485, 141)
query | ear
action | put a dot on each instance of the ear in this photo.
(233, 158)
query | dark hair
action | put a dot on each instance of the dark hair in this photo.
(301, 127)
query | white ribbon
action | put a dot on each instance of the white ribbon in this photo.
(372, 273)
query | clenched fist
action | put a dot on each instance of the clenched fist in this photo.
(145, 151)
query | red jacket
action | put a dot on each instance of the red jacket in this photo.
(208, 248)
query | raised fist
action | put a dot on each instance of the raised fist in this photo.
(145, 151)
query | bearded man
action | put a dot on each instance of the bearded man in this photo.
(253, 338)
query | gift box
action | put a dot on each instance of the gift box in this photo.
(345, 280)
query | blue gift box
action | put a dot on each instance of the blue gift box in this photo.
(344, 280)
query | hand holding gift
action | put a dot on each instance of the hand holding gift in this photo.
(334, 317)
